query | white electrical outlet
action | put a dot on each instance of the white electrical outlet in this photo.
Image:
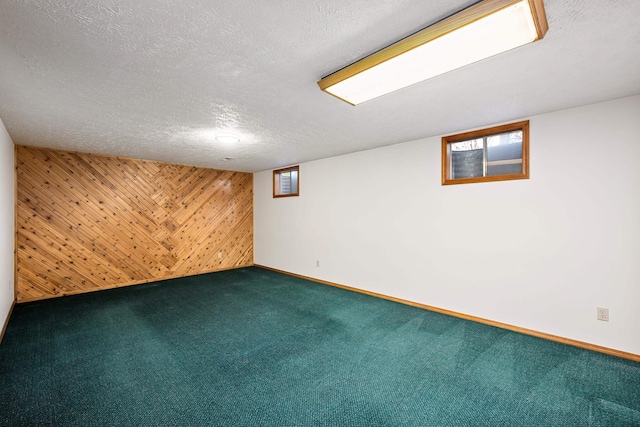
(219, 255)
(603, 314)
(317, 263)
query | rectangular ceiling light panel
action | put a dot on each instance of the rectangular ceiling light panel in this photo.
(483, 30)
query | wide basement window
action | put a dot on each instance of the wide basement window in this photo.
(286, 182)
(494, 154)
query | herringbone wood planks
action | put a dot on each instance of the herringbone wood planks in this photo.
(88, 222)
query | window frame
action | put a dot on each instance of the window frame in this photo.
(277, 172)
(482, 133)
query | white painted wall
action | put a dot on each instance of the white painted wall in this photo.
(7, 223)
(541, 253)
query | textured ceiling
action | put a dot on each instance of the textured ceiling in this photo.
(155, 79)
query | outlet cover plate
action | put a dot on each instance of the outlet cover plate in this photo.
(603, 314)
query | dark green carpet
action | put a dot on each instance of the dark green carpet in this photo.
(252, 347)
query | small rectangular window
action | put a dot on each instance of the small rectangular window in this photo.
(495, 154)
(286, 182)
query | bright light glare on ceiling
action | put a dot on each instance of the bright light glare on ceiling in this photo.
(227, 138)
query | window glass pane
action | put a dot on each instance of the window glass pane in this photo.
(508, 169)
(504, 154)
(466, 164)
(294, 182)
(466, 159)
(472, 144)
(506, 146)
(285, 183)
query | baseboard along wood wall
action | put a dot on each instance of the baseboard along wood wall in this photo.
(141, 282)
(6, 322)
(550, 337)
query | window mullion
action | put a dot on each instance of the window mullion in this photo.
(484, 156)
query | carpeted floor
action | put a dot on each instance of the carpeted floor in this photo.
(251, 347)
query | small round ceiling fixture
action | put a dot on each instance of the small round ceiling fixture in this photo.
(227, 138)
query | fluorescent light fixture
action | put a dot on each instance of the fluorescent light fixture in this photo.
(227, 138)
(482, 30)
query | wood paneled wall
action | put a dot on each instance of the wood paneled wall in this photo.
(87, 222)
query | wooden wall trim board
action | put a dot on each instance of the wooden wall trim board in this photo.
(6, 322)
(88, 222)
(15, 222)
(140, 282)
(550, 337)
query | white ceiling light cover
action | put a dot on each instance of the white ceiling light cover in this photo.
(503, 29)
